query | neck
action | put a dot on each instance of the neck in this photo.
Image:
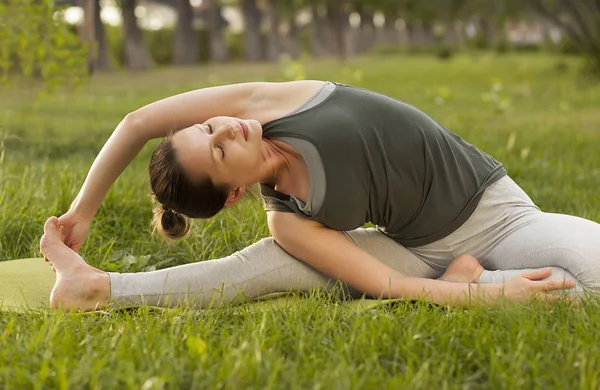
(277, 162)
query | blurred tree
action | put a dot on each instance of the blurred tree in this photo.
(366, 36)
(218, 47)
(338, 16)
(253, 48)
(136, 52)
(102, 59)
(321, 32)
(33, 44)
(579, 20)
(275, 39)
(185, 39)
(92, 31)
(331, 28)
(391, 12)
(420, 17)
(289, 13)
(492, 17)
(450, 13)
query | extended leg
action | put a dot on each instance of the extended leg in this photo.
(261, 269)
(258, 270)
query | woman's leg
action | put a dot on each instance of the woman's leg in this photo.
(261, 269)
(509, 235)
(256, 271)
(560, 241)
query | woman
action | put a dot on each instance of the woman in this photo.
(330, 158)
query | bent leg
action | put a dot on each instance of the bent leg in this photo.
(509, 235)
(261, 269)
(569, 245)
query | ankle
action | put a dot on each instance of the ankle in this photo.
(99, 287)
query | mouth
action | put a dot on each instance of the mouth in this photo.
(244, 129)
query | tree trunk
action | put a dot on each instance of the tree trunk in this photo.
(185, 42)
(451, 37)
(275, 41)
(102, 61)
(293, 39)
(87, 32)
(367, 34)
(421, 34)
(491, 32)
(252, 39)
(136, 52)
(218, 47)
(321, 37)
(339, 19)
(389, 33)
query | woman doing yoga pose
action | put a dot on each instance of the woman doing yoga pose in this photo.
(329, 158)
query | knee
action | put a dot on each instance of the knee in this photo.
(266, 250)
(585, 267)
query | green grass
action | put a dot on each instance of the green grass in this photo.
(543, 124)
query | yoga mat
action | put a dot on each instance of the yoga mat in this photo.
(25, 284)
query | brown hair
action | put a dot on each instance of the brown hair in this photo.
(180, 197)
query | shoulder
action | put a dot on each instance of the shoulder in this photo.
(285, 226)
(272, 100)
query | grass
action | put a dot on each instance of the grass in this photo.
(540, 120)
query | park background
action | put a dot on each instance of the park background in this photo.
(519, 79)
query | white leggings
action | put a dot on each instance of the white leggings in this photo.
(507, 233)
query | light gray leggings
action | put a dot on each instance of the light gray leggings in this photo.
(507, 233)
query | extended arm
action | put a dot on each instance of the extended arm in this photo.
(157, 120)
(333, 254)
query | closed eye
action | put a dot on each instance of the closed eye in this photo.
(210, 128)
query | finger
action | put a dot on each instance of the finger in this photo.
(75, 246)
(62, 233)
(551, 285)
(538, 274)
(50, 221)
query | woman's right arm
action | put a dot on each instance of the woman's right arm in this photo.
(155, 120)
(330, 252)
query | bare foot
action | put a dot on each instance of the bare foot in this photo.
(78, 286)
(463, 269)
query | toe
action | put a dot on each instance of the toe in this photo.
(51, 228)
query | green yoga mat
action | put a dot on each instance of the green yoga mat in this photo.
(25, 284)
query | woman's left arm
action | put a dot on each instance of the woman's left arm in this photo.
(186, 109)
(155, 120)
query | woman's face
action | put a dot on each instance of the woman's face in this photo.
(226, 149)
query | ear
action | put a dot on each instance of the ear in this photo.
(234, 195)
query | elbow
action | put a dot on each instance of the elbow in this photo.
(134, 126)
(282, 240)
(132, 120)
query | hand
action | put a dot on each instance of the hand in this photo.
(75, 229)
(528, 285)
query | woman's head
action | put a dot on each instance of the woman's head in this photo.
(201, 169)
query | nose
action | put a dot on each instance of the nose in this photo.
(227, 131)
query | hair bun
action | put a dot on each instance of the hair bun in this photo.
(171, 223)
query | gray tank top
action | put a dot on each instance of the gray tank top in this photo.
(381, 161)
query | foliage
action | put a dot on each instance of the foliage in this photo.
(160, 45)
(579, 21)
(33, 44)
